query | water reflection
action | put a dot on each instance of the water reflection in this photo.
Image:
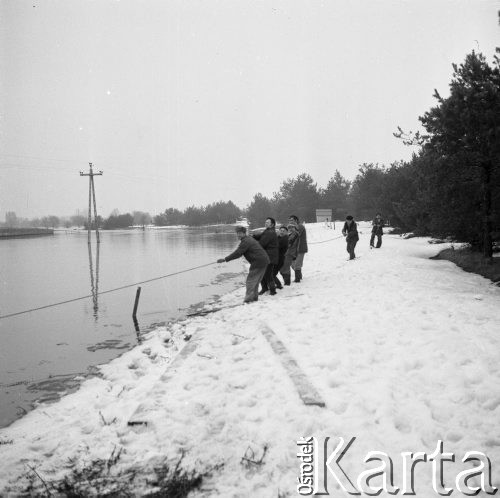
(94, 278)
(116, 344)
(137, 330)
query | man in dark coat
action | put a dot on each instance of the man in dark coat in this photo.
(268, 239)
(377, 230)
(301, 249)
(282, 248)
(350, 232)
(256, 256)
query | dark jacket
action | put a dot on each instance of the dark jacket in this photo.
(351, 231)
(293, 244)
(252, 251)
(282, 248)
(268, 239)
(302, 238)
(377, 226)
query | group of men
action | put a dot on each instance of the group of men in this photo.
(270, 253)
(350, 232)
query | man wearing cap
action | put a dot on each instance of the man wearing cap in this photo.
(256, 256)
(377, 231)
(350, 232)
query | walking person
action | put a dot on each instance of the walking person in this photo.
(256, 256)
(291, 252)
(282, 248)
(350, 232)
(302, 247)
(377, 230)
(268, 239)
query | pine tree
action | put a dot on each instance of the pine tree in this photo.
(464, 132)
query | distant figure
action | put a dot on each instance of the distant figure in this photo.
(282, 248)
(291, 252)
(256, 256)
(350, 232)
(378, 230)
(268, 239)
(302, 247)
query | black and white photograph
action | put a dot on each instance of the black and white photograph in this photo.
(249, 248)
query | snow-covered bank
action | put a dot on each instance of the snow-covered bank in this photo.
(402, 349)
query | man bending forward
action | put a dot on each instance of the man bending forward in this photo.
(256, 256)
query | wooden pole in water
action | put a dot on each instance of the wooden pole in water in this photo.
(91, 175)
(137, 295)
(90, 210)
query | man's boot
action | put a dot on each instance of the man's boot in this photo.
(298, 275)
(286, 279)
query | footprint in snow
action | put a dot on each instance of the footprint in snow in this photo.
(402, 425)
(333, 383)
(492, 404)
(454, 437)
(492, 442)
(413, 365)
(340, 408)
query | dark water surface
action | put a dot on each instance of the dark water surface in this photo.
(42, 352)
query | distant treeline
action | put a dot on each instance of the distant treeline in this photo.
(218, 212)
(13, 221)
(115, 220)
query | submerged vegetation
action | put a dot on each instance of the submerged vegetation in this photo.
(102, 478)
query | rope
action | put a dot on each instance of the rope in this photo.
(105, 292)
(328, 240)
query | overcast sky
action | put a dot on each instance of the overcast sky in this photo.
(190, 102)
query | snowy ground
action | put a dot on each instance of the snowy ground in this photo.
(402, 349)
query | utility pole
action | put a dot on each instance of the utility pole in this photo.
(91, 175)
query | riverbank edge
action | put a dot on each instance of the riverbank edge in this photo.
(15, 233)
(472, 262)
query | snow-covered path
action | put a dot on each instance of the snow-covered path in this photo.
(403, 350)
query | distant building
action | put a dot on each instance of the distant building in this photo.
(323, 215)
